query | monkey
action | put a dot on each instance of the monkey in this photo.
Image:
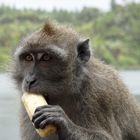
(87, 99)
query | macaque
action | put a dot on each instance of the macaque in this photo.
(87, 99)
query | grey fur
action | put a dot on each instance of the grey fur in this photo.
(96, 103)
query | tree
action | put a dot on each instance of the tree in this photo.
(113, 5)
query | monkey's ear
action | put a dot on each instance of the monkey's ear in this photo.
(84, 50)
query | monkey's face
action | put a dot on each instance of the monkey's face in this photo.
(43, 69)
(50, 67)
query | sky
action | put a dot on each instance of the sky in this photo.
(61, 4)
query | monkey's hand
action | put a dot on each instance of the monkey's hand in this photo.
(50, 114)
(67, 130)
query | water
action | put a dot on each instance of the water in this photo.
(9, 106)
(132, 80)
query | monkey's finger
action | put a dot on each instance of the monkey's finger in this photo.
(38, 121)
(43, 124)
(46, 114)
(40, 108)
(51, 110)
(36, 115)
(50, 120)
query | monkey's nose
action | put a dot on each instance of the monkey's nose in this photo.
(31, 82)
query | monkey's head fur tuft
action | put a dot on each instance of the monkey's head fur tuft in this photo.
(53, 33)
(58, 33)
(49, 29)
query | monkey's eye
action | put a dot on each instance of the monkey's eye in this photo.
(46, 57)
(28, 57)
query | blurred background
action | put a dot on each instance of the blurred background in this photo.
(113, 27)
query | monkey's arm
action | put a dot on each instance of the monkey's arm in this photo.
(128, 118)
(67, 130)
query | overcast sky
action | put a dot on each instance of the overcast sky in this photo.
(61, 4)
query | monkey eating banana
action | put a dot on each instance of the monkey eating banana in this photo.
(31, 101)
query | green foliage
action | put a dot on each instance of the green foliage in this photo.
(114, 35)
(113, 4)
(4, 58)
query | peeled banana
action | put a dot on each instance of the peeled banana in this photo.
(31, 101)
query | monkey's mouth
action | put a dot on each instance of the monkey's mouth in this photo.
(32, 89)
(35, 90)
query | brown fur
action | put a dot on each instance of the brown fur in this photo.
(102, 106)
